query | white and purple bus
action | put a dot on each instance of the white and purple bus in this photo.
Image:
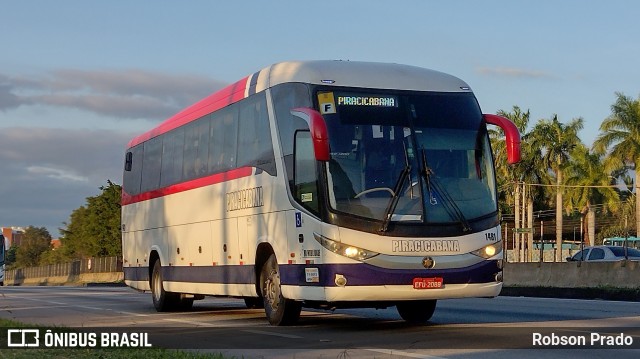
(323, 184)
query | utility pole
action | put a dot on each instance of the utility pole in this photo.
(530, 225)
(541, 241)
(516, 227)
(505, 238)
(524, 221)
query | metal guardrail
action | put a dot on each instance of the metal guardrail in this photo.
(71, 269)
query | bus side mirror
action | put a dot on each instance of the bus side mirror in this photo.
(511, 133)
(318, 128)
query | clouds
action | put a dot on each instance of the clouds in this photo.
(119, 94)
(87, 153)
(46, 173)
(56, 173)
(63, 134)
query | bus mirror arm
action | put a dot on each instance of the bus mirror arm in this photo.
(511, 133)
(319, 133)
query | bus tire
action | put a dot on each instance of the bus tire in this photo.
(279, 310)
(163, 301)
(416, 311)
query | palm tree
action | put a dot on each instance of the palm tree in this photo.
(557, 140)
(528, 170)
(507, 174)
(620, 138)
(589, 184)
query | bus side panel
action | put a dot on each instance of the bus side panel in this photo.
(132, 259)
(190, 244)
(154, 240)
(225, 239)
(270, 227)
(248, 234)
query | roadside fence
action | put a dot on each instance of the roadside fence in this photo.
(64, 272)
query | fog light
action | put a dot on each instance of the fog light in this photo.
(499, 277)
(341, 281)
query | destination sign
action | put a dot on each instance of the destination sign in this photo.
(378, 101)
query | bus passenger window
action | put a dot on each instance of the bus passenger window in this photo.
(305, 178)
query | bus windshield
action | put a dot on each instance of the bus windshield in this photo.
(415, 157)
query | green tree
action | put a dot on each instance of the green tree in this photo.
(589, 184)
(94, 229)
(10, 256)
(556, 141)
(75, 238)
(34, 242)
(529, 170)
(619, 138)
(507, 175)
(52, 256)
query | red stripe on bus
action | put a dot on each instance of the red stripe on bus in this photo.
(225, 97)
(186, 186)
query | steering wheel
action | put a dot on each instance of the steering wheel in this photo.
(376, 189)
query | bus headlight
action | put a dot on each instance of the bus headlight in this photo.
(489, 251)
(346, 250)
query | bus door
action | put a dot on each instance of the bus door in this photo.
(303, 224)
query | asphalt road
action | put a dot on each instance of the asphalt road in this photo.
(462, 328)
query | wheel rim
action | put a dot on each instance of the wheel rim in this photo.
(272, 289)
(157, 287)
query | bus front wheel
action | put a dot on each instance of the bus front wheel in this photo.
(416, 311)
(279, 310)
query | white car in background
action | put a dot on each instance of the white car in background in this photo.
(605, 254)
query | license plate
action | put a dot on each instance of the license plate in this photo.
(427, 283)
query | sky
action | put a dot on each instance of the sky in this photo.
(79, 79)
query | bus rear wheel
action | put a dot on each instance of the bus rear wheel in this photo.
(165, 301)
(279, 310)
(416, 311)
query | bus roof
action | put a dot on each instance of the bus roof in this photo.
(323, 72)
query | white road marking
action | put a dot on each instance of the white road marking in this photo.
(27, 308)
(403, 353)
(264, 332)
(91, 308)
(198, 324)
(131, 313)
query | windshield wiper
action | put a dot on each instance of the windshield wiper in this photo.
(448, 202)
(391, 207)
